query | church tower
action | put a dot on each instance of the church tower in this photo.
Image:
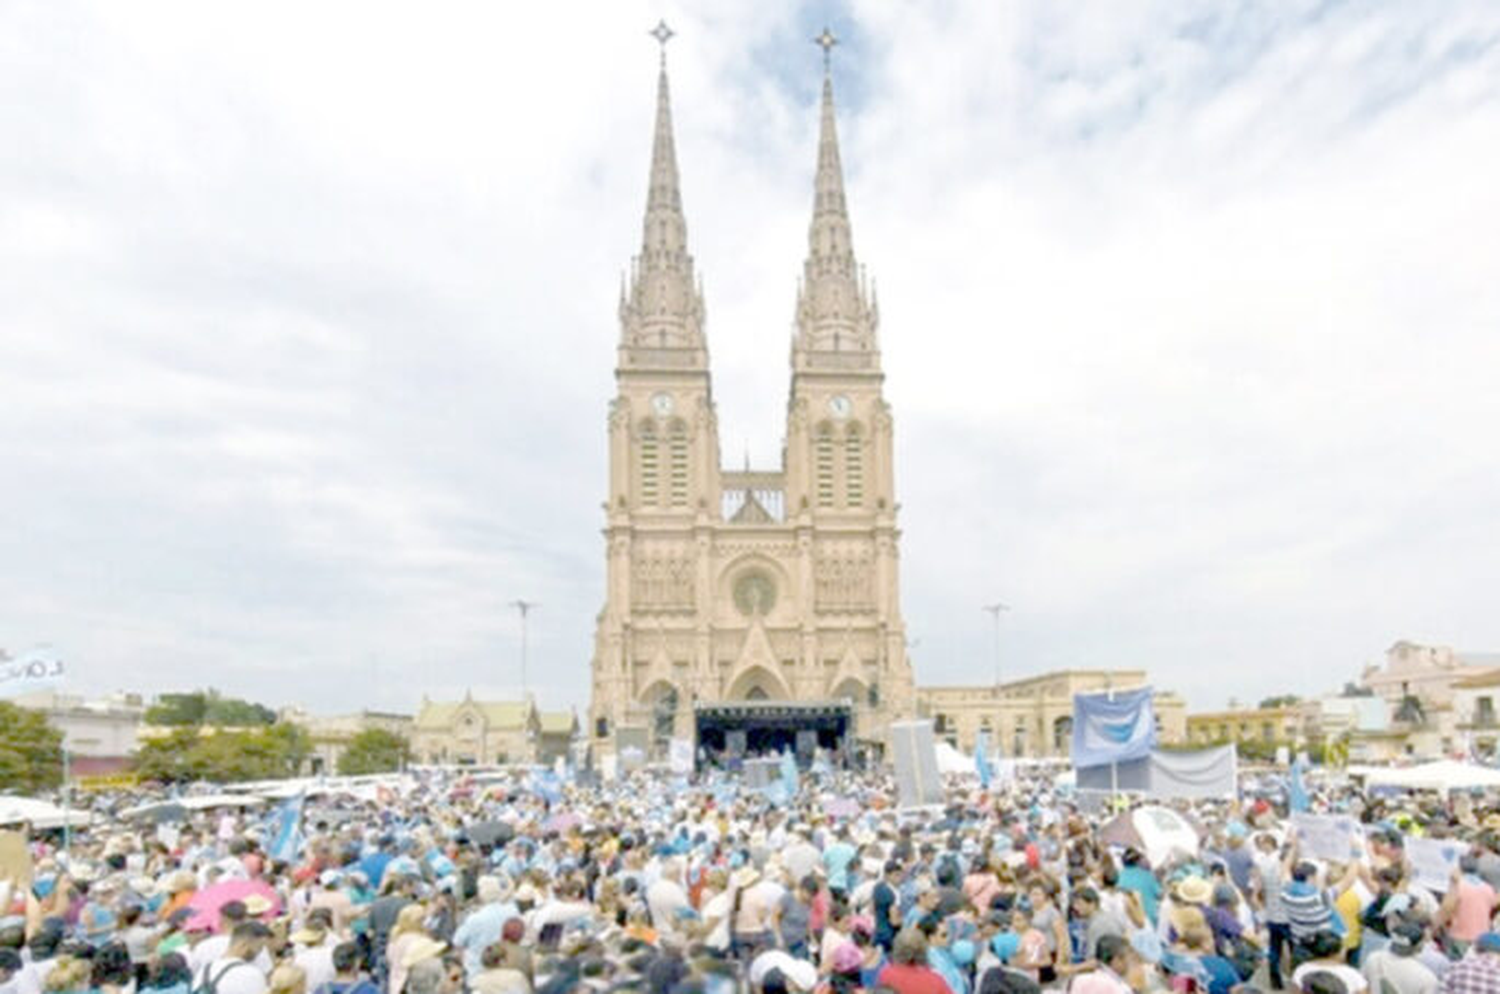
(768, 590)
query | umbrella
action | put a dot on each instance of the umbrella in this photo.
(491, 833)
(1158, 832)
(206, 903)
(156, 814)
(41, 815)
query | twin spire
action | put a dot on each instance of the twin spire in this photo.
(662, 307)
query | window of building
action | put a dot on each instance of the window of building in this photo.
(823, 471)
(854, 467)
(677, 445)
(650, 467)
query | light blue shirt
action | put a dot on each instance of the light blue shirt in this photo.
(481, 930)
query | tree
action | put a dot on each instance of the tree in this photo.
(31, 750)
(374, 750)
(1280, 701)
(177, 709)
(254, 754)
(231, 712)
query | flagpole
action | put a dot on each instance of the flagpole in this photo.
(67, 792)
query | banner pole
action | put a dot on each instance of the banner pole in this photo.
(67, 793)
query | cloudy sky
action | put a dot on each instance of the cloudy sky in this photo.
(1191, 318)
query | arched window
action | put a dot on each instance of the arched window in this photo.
(677, 449)
(756, 693)
(823, 470)
(854, 467)
(664, 715)
(1062, 735)
(650, 466)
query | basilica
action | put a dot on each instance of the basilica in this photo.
(750, 609)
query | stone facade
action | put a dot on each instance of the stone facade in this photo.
(475, 733)
(1263, 727)
(331, 734)
(778, 583)
(1421, 683)
(1033, 718)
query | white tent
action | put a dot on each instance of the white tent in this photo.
(950, 760)
(40, 814)
(1444, 774)
(207, 802)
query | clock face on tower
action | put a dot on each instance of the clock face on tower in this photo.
(662, 404)
(840, 406)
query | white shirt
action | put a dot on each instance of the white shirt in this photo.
(317, 963)
(215, 947)
(231, 976)
(666, 898)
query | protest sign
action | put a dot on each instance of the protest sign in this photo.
(1433, 861)
(15, 859)
(1333, 837)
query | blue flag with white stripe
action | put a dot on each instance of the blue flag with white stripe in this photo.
(982, 759)
(1113, 727)
(286, 830)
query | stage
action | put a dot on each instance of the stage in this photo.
(729, 732)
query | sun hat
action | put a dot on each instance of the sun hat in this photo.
(746, 876)
(1195, 890)
(422, 948)
(257, 905)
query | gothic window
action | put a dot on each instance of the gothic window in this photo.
(854, 468)
(664, 715)
(677, 446)
(757, 693)
(823, 471)
(650, 466)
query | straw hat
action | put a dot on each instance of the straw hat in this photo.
(422, 948)
(745, 877)
(1195, 890)
(256, 905)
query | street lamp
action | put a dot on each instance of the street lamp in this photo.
(995, 610)
(525, 607)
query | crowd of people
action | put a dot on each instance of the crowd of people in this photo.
(661, 885)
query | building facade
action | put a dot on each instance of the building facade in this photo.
(771, 584)
(1421, 684)
(100, 734)
(1263, 728)
(475, 733)
(1033, 718)
(331, 734)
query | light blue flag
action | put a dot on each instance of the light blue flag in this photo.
(982, 759)
(1296, 791)
(286, 830)
(1112, 727)
(789, 774)
(547, 786)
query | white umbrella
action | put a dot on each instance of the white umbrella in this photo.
(40, 814)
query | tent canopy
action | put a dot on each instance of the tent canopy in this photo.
(1444, 774)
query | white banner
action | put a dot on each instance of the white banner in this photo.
(1335, 837)
(32, 671)
(1433, 861)
(680, 756)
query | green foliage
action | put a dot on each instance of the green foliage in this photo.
(207, 708)
(1280, 701)
(254, 754)
(374, 750)
(177, 710)
(31, 756)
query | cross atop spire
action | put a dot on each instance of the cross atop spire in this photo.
(662, 34)
(663, 308)
(826, 41)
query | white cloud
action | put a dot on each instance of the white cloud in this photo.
(1189, 321)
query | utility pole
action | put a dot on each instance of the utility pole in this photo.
(995, 610)
(525, 607)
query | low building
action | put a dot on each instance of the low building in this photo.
(331, 734)
(100, 734)
(1033, 718)
(475, 733)
(1476, 708)
(556, 733)
(1421, 682)
(1253, 729)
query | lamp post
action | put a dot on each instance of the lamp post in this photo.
(995, 610)
(525, 607)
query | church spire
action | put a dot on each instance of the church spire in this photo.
(834, 312)
(663, 308)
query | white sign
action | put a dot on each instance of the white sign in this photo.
(680, 756)
(1433, 861)
(609, 767)
(29, 672)
(1333, 837)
